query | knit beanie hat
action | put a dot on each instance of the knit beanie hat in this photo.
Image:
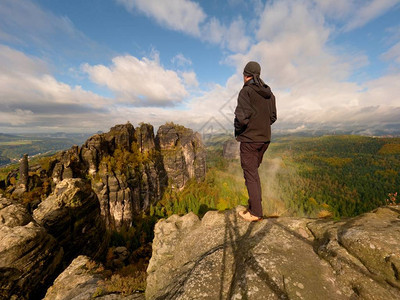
(253, 69)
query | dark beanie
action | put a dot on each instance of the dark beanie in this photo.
(253, 69)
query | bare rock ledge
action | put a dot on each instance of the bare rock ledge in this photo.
(224, 257)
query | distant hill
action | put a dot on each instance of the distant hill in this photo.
(12, 147)
(6, 137)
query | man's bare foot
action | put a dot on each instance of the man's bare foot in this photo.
(247, 216)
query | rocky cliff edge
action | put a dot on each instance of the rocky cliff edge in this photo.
(224, 257)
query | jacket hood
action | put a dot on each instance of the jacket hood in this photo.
(264, 91)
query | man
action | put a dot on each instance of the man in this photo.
(254, 115)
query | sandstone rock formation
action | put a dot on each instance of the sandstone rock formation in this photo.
(130, 168)
(33, 249)
(123, 182)
(183, 154)
(231, 149)
(79, 282)
(71, 214)
(81, 195)
(23, 173)
(29, 256)
(224, 257)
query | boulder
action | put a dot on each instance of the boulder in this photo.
(13, 214)
(81, 280)
(224, 257)
(374, 238)
(72, 215)
(29, 256)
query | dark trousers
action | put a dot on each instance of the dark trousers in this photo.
(251, 155)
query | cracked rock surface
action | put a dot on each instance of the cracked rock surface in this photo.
(224, 257)
(71, 214)
(29, 256)
(79, 282)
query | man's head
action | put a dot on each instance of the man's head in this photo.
(252, 68)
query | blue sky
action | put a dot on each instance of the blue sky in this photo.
(87, 65)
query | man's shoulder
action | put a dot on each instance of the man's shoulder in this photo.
(246, 89)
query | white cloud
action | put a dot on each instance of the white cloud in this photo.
(354, 13)
(180, 60)
(311, 79)
(308, 76)
(383, 91)
(393, 53)
(26, 80)
(214, 31)
(17, 117)
(25, 24)
(181, 15)
(394, 34)
(188, 17)
(28, 93)
(284, 18)
(232, 37)
(190, 79)
(336, 9)
(16, 62)
(364, 13)
(31, 23)
(140, 82)
(292, 48)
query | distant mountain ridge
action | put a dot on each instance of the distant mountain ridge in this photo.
(13, 146)
(7, 136)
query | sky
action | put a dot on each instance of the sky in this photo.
(85, 66)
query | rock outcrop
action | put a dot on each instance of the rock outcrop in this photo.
(130, 168)
(34, 248)
(81, 281)
(224, 257)
(183, 154)
(68, 207)
(29, 256)
(23, 173)
(71, 214)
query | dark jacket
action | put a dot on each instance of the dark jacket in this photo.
(255, 113)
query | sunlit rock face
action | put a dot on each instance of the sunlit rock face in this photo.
(224, 257)
(183, 154)
(129, 168)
